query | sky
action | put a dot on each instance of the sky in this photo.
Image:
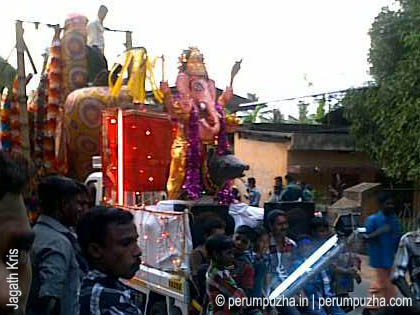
(284, 44)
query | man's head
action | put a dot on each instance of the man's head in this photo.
(16, 235)
(243, 238)
(212, 226)
(60, 198)
(251, 182)
(320, 228)
(103, 10)
(277, 223)
(108, 238)
(290, 179)
(91, 187)
(309, 187)
(387, 203)
(84, 199)
(220, 250)
(278, 181)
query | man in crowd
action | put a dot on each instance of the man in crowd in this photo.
(282, 251)
(85, 201)
(307, 193)
(98, 65)
(56, 273)
(254, 195)
(16, 236)
(292, 192)
(278, 187)
(382, 234)
(407, 260)
(108, 238)
(96, 30)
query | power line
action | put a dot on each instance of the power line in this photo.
(299, 97)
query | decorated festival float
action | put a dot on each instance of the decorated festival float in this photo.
(164, 154)
(179, 152)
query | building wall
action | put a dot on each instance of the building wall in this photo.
(329, 159)
(326, 161)
(266, 161)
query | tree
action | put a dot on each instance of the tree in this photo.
(320, 111)
(7, 75)
(385, 115)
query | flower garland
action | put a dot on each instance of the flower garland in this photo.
(192, 184)
(224, 196)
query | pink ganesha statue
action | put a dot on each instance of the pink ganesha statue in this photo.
(201, 129)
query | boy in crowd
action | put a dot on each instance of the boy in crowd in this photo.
(243, 273)
(108, 238)
(200, 260)
(218, 278)
(212, 226)
(321, 231)
(56, 271)
(260, 264)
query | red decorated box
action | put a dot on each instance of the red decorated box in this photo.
(146, 153)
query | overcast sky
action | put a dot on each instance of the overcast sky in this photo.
(280, 41)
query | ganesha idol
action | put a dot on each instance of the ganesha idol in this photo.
(201, 132)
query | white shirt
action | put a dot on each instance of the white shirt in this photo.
(95, 32)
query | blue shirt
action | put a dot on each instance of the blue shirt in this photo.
(381, 250)
(292, 192)
(55, 268)
(254, 197)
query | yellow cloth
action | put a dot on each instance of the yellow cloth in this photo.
(178, 166)
(141, 68)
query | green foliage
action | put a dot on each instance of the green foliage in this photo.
(385, 116)
(320, 111)
(7, 74)
(252, 117)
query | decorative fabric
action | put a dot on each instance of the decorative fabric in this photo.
(10, 135)
(79, 131)
(74, 54)
(141, 67)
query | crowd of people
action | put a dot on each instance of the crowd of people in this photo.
(70, 261)
(293, 191)
(254, 261)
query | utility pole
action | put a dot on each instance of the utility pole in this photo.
(21, 98)
(128, 40)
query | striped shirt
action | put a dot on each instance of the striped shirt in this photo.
(103, 295)
(220, 282)
(408, 260)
